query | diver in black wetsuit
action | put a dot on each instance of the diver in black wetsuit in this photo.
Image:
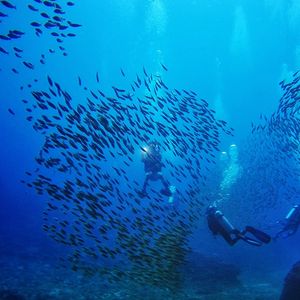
(219, 225)
(290, 224)
(153, 166)
(291, 289)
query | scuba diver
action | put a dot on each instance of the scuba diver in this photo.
(291, 288)
(153, 166)
(290, 223)
(219, 225)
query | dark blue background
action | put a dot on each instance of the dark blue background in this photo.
(230, 52)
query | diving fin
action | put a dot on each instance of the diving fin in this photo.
(251, 241)
(260, 235)
(172, 189)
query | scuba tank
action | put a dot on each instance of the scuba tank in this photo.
(294, 214)
(223, 221)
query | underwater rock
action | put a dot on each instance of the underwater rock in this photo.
(46, 297)
(209, 274)
(10, 295)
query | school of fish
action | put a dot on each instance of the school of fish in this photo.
(269, 160)
(94, 205)
(48, 19)
(92, 144)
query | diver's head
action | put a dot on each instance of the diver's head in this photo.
(211, 210)
(154, 146)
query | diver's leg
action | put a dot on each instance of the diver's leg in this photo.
(166, 191)
(146, 183)
(237, 236)
(290, 232)
(279, 234)
(164, 182)
(294, 228)
(231, 241)
(227, 236)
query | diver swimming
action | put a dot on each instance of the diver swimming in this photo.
(152, 159)
(290, 223)
(220, 225)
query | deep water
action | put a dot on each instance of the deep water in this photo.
(231, 53)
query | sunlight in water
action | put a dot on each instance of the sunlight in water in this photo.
(286, 73)
(219, 107)
(277, 7)
(231, 173)
(240, 38)
(294, 14)
(126, 8)
(157, 18)
(156, 26)
(297, 57)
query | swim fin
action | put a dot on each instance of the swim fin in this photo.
(260, 235)
(251, 241)
(172, 189)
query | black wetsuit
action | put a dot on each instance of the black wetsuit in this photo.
(291, 225)
(291, 289)
(153, 163)
(219, 225)
(216, 228)
(153, 166)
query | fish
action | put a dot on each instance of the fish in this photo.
(35, 24)
(164, 67)
(38, 31)
(49, 24)
(48, 3)
(4, 37)
(28, 65)
(31, 7)
(50, 81)
(59, 11)
(63, 27)
(3, 50)
(13, 36)
(57, 18)
(11, 111)
(17, 49)
(8, 4)
(108, 126)
(74, 24)
(45, 15)
(17, 32)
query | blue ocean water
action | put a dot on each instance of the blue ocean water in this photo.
(232, 54)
